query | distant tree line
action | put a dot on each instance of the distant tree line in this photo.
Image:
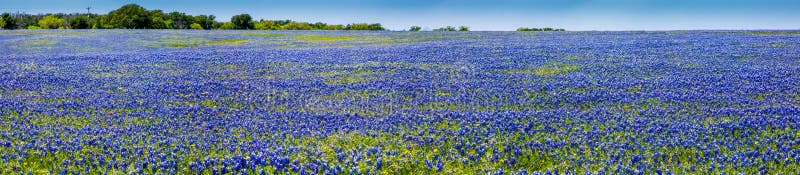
(452, 29)
(133, 16)
(546, 29)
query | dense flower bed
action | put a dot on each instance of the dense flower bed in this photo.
(240, 102)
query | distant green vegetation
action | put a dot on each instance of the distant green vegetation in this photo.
(323, 38)
(549, 68)
(133, 16)
(38, 42)
(773, 32)
(546, 29)
(185, 42)
(262, 34)
(453, 29)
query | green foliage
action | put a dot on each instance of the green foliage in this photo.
(187, 42)
(159, 20)
(549, 68)
(205, 21)
(556, 68)
(364, 26)
(242, 21)
(180, 20)
(296, 26)
(9, 21)
(323, 38)
(38, 42)
(547, 29)
(196, 26)
(262, 34)
(80, 22)
(267, 25)
(463, 28)
(160, 23)
(32, 27)
(130, 16)
(333, 27)
(101, 22)
(772, 32)
(51, 22)
(133, 16)
(447, 29)
(227, 26)
(415, 28)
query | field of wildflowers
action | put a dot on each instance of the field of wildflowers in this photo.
(247, 102)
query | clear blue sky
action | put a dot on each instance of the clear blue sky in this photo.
(478, 14)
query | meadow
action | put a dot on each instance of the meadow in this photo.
(361, 102)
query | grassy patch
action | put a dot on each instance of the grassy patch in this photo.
(39, 42)
(773, 33)
(556, 68)
(262, 34)
(324, 38)
(550, 68)
(185, 42)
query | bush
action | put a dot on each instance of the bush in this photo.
(196, 26)
(463, 28)
(446, 29)
(415, 28)
(9, 21)
(51, 22)
(227, 26)
(80, 22)
(297, 26)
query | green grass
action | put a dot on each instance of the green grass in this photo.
(549, 68)
(773, 32)
(324, 38)
(186, 42)
(39, 42)
(262, 34)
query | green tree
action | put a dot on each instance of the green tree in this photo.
(242, 21)
(159, 20)
(196, 26)
(2, 23)
(100, 22)
(364, 26)
(448, 29)
(463, 28)
(160, 23)
(267, 25)
(130, 16)
(333, 27)
(206, 21)
(79, 22)
(415, 28)
(296, 26)
(51, 22)
(318, 26)
(10, 22)
(180, 20)
(227, 26)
